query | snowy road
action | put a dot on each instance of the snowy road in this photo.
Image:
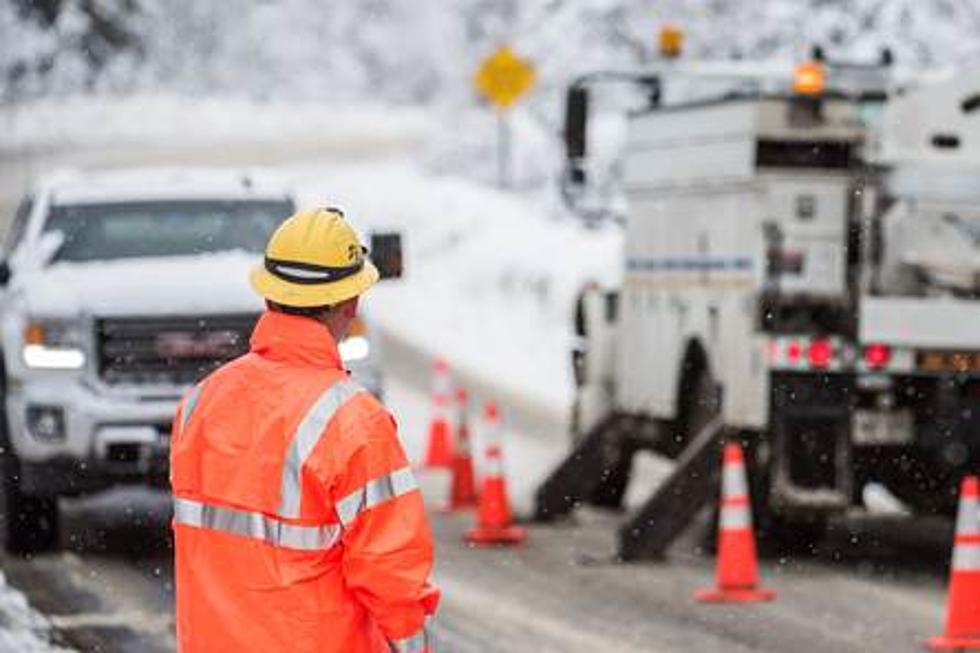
(876, 586)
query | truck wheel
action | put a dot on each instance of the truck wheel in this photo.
(30, 523)
(699, 405)
(922, 484)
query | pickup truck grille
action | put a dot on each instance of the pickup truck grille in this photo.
(168, 350)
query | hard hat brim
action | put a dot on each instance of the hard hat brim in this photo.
(300, 295)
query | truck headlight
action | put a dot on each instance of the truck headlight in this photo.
(53, 345)
(354, 348)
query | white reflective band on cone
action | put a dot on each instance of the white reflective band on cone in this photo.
(733, 481)
(385, 488)
(733, 517)
(190, 405)
(968, 517)
(494, 466)
(307, 434)
(255, 525)
(417, 643)
(966, 557)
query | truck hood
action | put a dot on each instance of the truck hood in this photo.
(204, 284)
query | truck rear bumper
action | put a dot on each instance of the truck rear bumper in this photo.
(824, 443)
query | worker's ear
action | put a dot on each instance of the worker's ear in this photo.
(349, 308)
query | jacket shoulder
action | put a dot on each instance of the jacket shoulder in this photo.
(364, 417)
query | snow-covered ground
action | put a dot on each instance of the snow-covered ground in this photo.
(22, 629)
(161, 120)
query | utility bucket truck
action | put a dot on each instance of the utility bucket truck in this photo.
(801, 271)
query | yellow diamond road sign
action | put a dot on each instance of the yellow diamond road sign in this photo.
(504, 77)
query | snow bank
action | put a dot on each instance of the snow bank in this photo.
(22, 629)
(491, 276)
(94, 121)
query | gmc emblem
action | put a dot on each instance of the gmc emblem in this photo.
(189, 344)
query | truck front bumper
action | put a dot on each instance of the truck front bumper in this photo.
(72, 438)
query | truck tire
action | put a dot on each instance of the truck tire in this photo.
(698, 406)
(926, 487)
(30, 523)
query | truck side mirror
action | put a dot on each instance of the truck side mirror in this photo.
(386, 254)
(5, 273)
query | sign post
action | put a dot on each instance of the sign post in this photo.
(503, 79)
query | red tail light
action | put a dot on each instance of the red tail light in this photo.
(877, 355)
(793, 352)
(820, 353)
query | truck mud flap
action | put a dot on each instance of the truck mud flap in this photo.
(585, 474)
(673, 506)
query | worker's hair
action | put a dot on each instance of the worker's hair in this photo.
(314, 312)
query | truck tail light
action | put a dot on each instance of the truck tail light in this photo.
(793, 352)
(877, 356)
(820, 353)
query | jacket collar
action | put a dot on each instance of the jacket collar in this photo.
(295, 339)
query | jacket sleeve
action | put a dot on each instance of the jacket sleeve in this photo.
(388, 548)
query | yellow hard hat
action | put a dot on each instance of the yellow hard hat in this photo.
(314, 258)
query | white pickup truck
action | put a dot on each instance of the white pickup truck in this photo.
(119, 290)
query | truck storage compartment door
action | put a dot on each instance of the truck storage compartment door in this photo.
(811, 427)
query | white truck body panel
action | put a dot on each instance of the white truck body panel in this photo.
(950, 110)
(696, 251)
(921, 322)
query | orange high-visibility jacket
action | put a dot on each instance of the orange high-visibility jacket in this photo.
(297, 523)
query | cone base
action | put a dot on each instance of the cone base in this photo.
(719, 595)
(486, 536)
(945, 643)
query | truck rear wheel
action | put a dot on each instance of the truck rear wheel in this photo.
(699, 404)
(924, 485)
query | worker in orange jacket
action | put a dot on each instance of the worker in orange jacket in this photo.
(298, 525)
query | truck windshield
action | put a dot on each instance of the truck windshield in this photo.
(97, 232)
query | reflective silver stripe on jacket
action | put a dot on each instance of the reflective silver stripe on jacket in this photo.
(256, 526)
(190, 405)
(307, 434)
(399, 482)
(417, 643)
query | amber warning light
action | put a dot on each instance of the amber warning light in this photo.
(670, 41)
(809, 78)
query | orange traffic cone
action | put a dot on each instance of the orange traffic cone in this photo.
(462, 491)
(440, 447)
(493, 525)
(737, 574)
(963, 603)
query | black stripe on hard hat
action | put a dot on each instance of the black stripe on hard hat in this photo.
(308, 273)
